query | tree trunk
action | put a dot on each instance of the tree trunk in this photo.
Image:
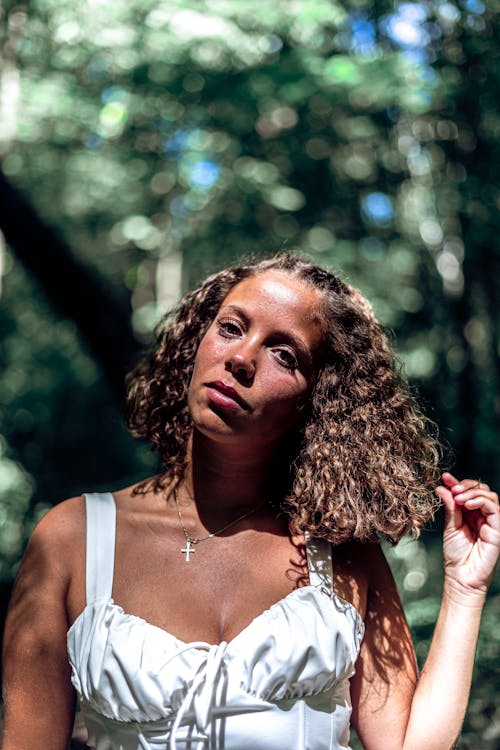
(75, 289)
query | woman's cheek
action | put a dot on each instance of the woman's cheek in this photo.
(216, 348)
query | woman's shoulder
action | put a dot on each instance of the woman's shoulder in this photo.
(366, 558)
(63, 520)
(139, 502)
(359, 569)
(64, 525)
(68, 517)
(61, 531)
(55, 548)
(358, 556)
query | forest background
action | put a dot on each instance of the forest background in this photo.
(147, 143)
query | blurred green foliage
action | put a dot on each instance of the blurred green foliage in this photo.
(417, 568)
(167, 139)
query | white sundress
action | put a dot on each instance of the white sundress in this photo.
(281, 684)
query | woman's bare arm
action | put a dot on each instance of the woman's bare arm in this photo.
(386, 671)
(38, 696)
(392, 710)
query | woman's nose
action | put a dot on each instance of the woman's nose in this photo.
(241, 364)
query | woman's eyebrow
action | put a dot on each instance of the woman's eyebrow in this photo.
(237, 310)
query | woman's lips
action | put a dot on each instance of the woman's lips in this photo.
(226, 396)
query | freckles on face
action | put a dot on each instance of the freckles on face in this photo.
(262, 345)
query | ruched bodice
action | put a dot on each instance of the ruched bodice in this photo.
(281, 684)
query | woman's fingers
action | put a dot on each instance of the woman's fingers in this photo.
(448, 479)
(457, 485)
(475, 494)
(464, 490)
(468, 495)
(488, 508)
(484, 500)
(469, 484)
(454, 515)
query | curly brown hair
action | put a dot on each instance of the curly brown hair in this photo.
(364, 460)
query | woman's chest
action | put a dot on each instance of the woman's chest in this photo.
(218, 591)
(224, 584)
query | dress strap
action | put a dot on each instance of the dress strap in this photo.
(101, 532)
(319, 562)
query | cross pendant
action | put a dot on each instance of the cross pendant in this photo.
(188, 549)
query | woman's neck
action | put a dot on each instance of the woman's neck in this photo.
(224, 480)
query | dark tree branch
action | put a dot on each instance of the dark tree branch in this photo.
(74, 288)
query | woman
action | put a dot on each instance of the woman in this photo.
(212, 618)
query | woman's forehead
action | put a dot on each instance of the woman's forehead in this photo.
(276, 291)
(280, 304)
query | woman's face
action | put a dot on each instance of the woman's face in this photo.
(256, 364)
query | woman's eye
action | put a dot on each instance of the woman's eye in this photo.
(229, 327)
(287, 359)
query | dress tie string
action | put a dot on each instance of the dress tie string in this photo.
(209, 682)
(142, 740)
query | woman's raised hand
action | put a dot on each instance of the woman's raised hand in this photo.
(471, 540)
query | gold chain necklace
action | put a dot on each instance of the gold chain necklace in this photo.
(191, 541)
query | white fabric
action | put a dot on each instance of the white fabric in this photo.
(280, 684)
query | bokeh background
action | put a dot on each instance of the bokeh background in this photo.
(147, 143)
